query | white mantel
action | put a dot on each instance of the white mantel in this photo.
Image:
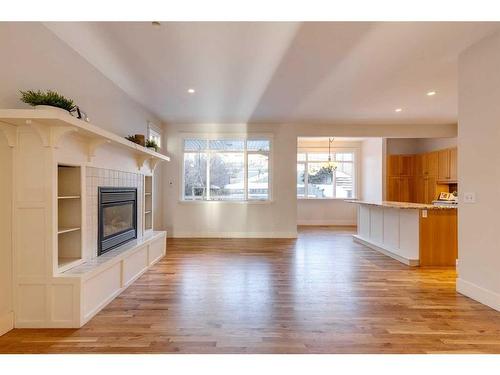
(47, 294)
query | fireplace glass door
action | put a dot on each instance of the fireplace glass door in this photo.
(117, 217)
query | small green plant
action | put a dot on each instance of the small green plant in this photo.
(132, 138)
(152, 144)
(48, 97)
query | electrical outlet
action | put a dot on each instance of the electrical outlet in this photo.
(424, 213)
(469, 197)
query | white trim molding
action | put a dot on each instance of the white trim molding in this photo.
(330, 222)
(478, 293)
(233, 234)
(393, 255)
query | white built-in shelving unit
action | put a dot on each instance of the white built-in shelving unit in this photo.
(57, 281)
(148, 203)
(69, 216)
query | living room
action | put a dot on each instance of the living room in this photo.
(262, 187)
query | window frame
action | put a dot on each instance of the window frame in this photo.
(334, 151)
(153, 128)
(229, 136)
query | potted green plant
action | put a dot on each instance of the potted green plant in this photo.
(48, 100)
(152, 144)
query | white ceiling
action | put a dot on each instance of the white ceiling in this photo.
(351, 72)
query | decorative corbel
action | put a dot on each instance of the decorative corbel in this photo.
(94, 144)
(50, 135)
(141, 159)
(153, 162)
(10, 132)
(57, 132)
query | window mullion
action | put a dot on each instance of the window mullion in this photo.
(245, 171)
(208, 175)
(334, 181)
(306, 179)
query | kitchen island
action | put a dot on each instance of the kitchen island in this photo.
(412, 233)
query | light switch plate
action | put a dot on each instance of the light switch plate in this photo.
(424, 213)
(469, 197)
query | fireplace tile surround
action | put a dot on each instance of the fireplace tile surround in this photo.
(107, 177)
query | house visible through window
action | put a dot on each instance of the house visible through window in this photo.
(318, 179)
(226, 169)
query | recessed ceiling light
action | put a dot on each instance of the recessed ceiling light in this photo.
(191, 91)
(431, 93)
(156, 24)
(398, 110)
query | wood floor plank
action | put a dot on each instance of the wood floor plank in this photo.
(320, 293)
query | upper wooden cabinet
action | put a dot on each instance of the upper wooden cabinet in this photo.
(420, 178)
(447, 165)
(427, 164)
(432, 163)
(407, 165)
(393, 165)
(453, 164)
(400, 165)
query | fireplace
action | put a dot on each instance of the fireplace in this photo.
(117, 217)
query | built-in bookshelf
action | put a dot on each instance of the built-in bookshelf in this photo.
(69, 216)
(148, 203)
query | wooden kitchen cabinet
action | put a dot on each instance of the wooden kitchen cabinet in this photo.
(407, 165)
(420, 178)
(400, 183)
(419, 165)
(453, 164)
(427, 164)
(431, 164)
(393, 165)
(447, 165)
(438, 238)
(444, 165)
(406, 189)
(420, 189)
(393, 189)
(400, 165)
(400, 189)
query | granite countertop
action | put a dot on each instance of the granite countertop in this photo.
(404, 205)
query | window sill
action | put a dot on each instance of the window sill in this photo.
(250, 202)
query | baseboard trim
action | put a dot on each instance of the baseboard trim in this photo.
(233, 234)
(480, 294)
(6, 322)
(408, 262)
(342, 223)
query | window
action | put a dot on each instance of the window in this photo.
(317, 180)
(226, 169)
(154, 134)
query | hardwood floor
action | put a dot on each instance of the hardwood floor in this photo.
(321, 293)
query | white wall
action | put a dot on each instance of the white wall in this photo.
(198, 219)
(34, 58)
(418, 145)
(401, 146)
(479, 171)
(5, 236)
(372, 169)
(434, 144)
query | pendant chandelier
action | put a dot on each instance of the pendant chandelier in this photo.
(330, 165)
